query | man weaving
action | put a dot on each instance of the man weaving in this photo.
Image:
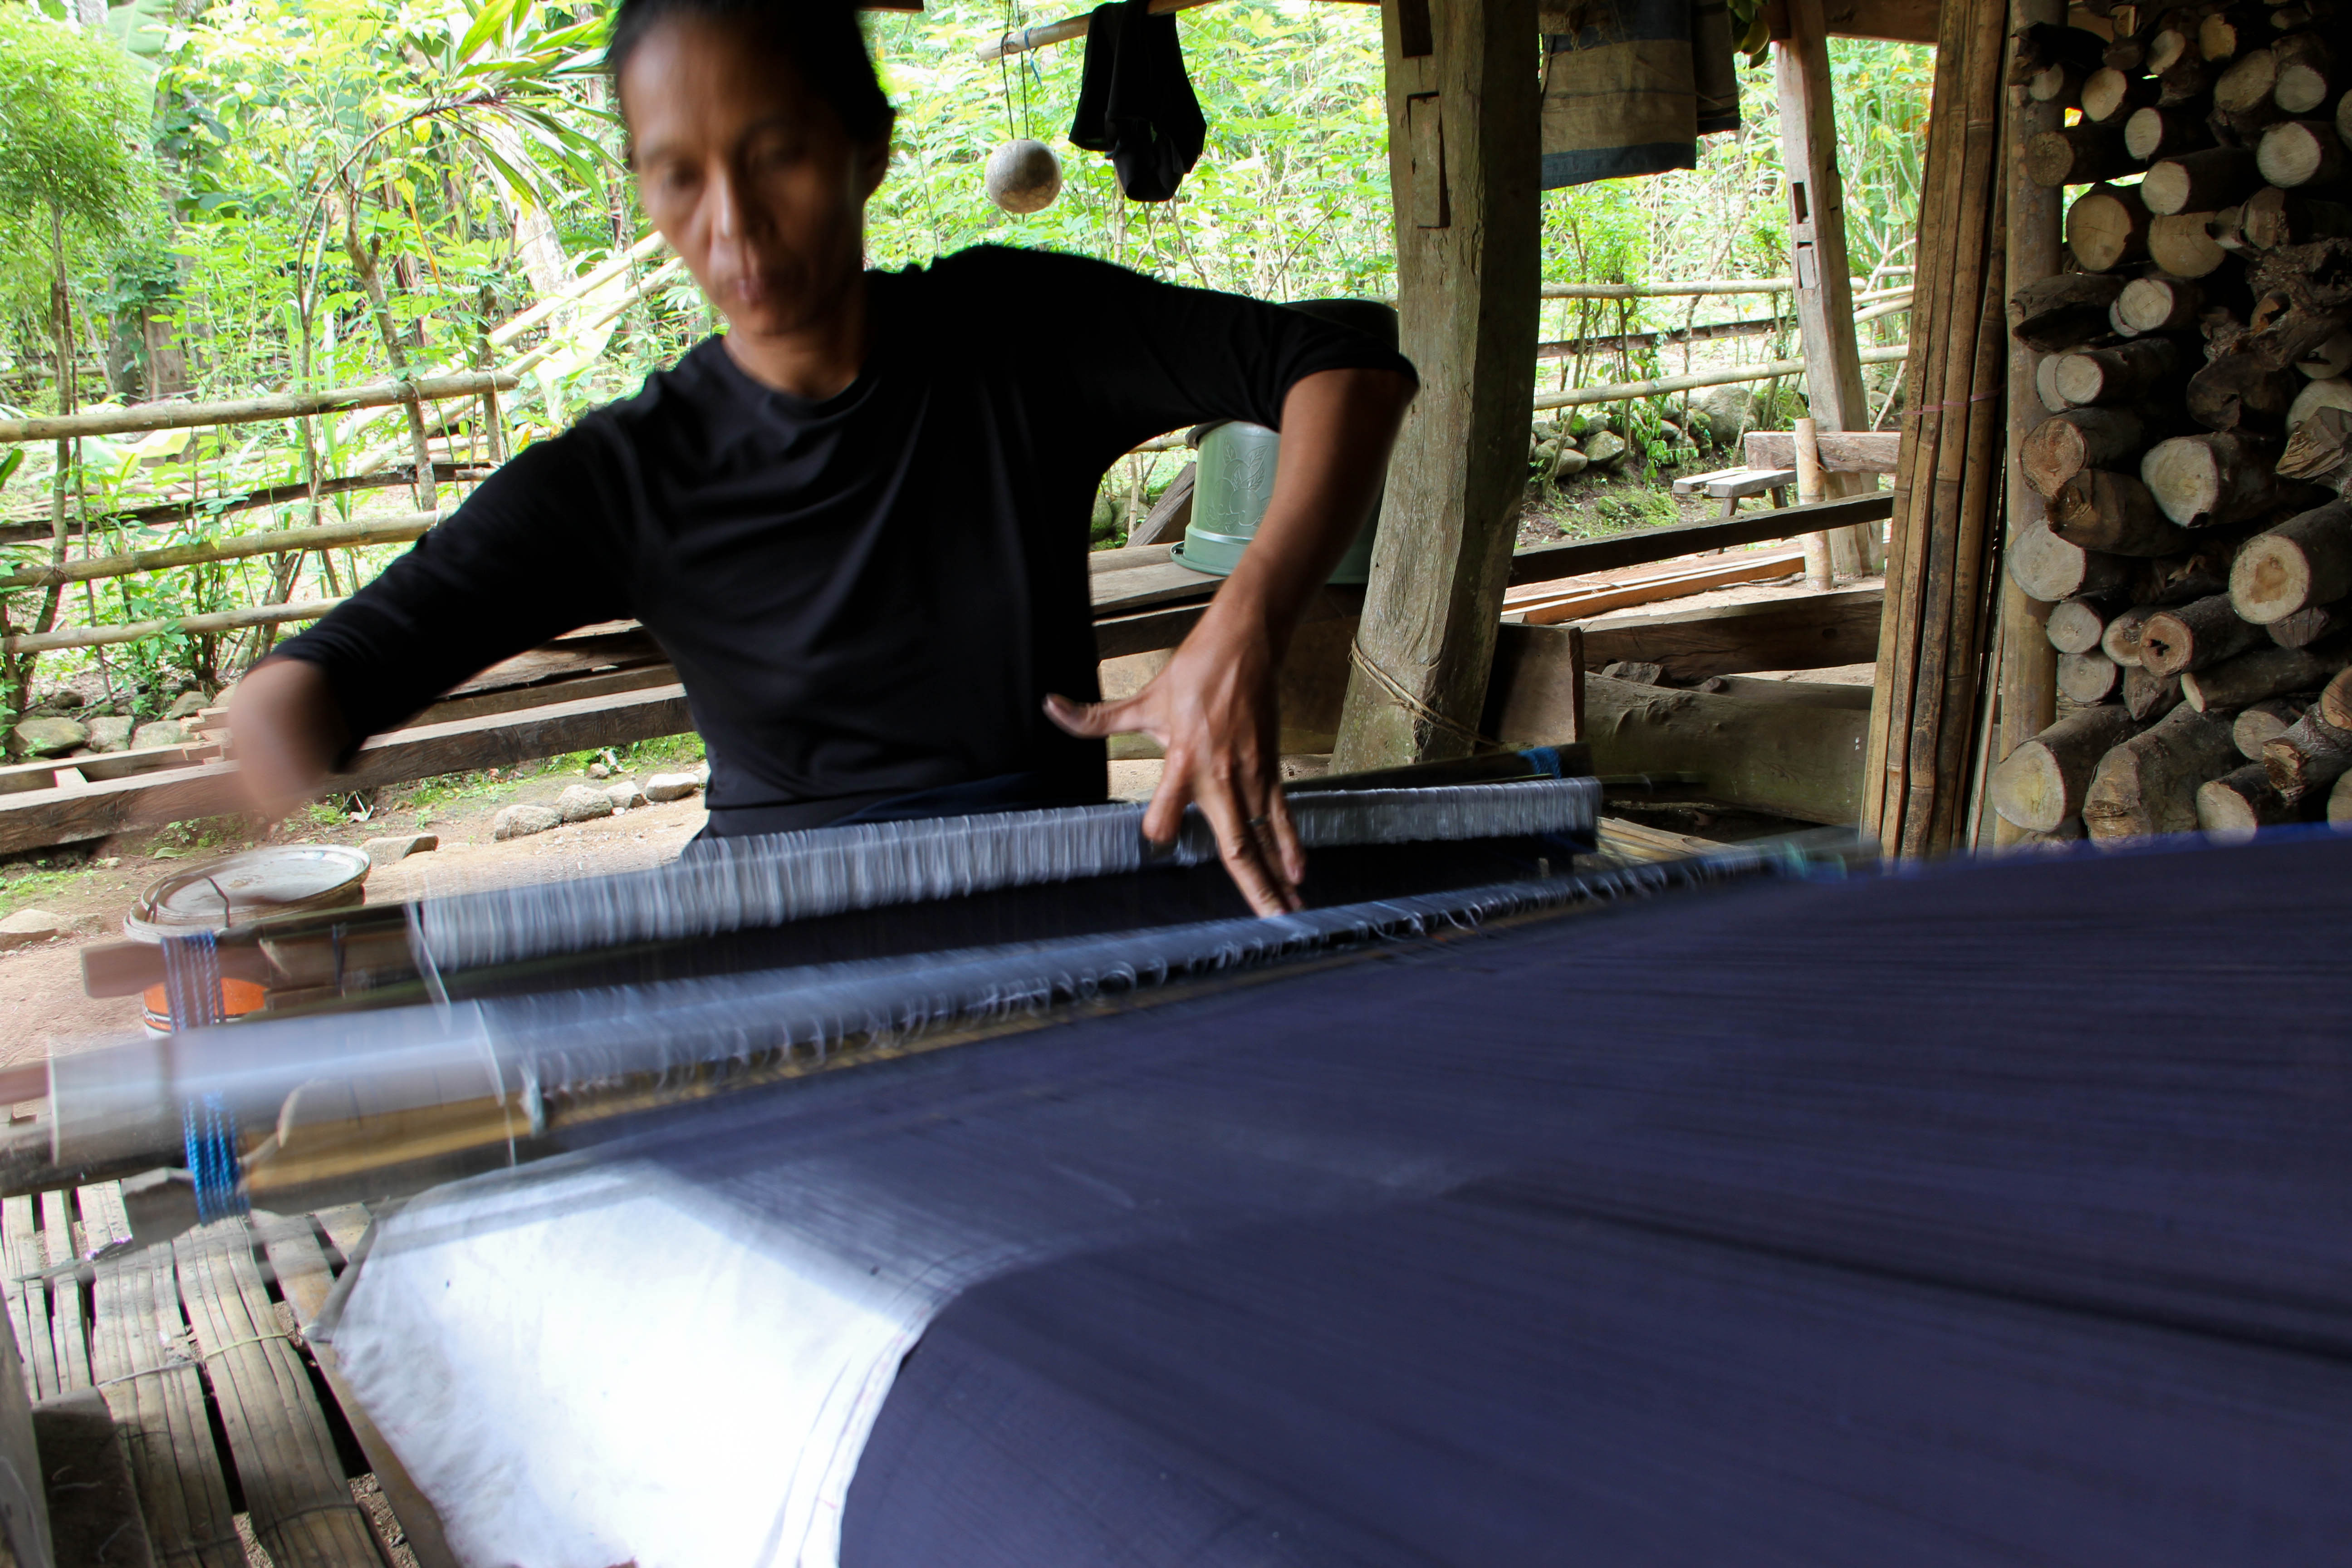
(856, 521)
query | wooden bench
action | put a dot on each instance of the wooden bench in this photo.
(1727, 485)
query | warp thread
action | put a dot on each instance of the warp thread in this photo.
(766, 880)
(192, 980)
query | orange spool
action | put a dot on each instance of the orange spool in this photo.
(235, 890)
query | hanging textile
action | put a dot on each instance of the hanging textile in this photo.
(1630, 87)
(1136, 103)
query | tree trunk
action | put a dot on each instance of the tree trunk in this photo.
(2076, 625)
(2109, 95)
(2062, 312)
(2257, 726)
(2300, 152)
(2195, 636)
(2304, 628)
(2236, 390)
(2200, 182)
(2100, 509)
(2148, 697)
(2120, 641)
(2149, 784)
(2308, 755)
(2048, 568)
(2042, 784)
(2335, 702)
(2306, 68)
(2127, 373)
(2201, 480)
(2078, 155)
(2235, 806)
(2158, 305)
(2065, 444)
(371, 284)
(2304, 561)
(2264, 670)
(2107, 226)
(2150, 134)
(2183, 245)
(2340, 803)
(2088, 678)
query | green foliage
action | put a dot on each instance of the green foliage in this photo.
(73, 117)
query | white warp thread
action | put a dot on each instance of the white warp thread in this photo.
(747, 883)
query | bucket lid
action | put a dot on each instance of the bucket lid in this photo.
(277, 879)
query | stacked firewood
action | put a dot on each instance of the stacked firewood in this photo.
(2196, 552)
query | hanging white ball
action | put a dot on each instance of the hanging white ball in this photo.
(1023, 176)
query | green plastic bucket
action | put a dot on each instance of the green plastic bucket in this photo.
(1233, 478)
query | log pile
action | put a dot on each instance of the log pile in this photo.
(2195, 443)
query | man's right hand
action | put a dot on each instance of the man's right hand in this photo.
(285, 731)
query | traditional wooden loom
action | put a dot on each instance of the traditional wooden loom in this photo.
(1254, 1173)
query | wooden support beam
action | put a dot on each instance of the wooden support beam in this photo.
(1462, 95)
(1824, 293)
(2027, 675)
(1812, 633)
(1549, 562)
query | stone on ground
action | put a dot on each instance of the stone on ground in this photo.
(187, 705)
(50, 737)
(522, 820)
(29, 926)
(671, 787)
(162, 732)
(400, 846)
(1603, 449)
(578, 803)
(599, 771)
(624, 794)
(110, 734)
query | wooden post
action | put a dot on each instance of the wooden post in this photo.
(1463, 100)
(1825, 294)
(2028, 670)
(1821, 569)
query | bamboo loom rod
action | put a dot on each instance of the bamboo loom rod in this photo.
(1022, 39)
(1628, 390)
(253, 410)
(133, 631)
(514, 327)
(397, 530)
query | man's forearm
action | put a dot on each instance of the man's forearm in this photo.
(1338, 427)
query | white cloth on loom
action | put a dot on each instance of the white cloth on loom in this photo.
(695, 1401)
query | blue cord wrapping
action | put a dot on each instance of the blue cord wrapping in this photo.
(192, 988)
(210, 1135)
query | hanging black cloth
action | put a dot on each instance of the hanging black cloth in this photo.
(1136, 103)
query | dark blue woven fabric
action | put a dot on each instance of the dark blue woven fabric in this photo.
(1984, 1214)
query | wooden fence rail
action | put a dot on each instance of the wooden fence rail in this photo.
(133, 631)
(1630, 391)
(395, 529)
(252, 410)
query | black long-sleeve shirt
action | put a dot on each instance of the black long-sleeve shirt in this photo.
(865, 597)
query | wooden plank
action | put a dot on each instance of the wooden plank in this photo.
(305, 1277)
(1550, 562)
(1149, 631)
(1897, 21)
(344, 1226)
(1639, 842)
(1137, 587)
(295, 1494)
(105, 1222)
(1791, 760)
(65, 1326)
(29, 1298)
(1757, 567)
(573, 688)
(146, 1373)
(1810, 633)
(1842, 451)
(117, 805)
(1467, 296)
(1750, 482)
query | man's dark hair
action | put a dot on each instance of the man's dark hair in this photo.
(821, 37)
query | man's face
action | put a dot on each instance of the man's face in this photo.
(747, 174)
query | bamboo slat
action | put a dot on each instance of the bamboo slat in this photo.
(251, 410)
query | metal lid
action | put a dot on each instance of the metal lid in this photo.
(282, 879)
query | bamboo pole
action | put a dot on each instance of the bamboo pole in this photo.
(397, 530)
(252, 410)
(1019, 40)
(1811, 487)
(1627, 391)
(2029, 665)
(133, 631)
(514, 327)
(1888, 751)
